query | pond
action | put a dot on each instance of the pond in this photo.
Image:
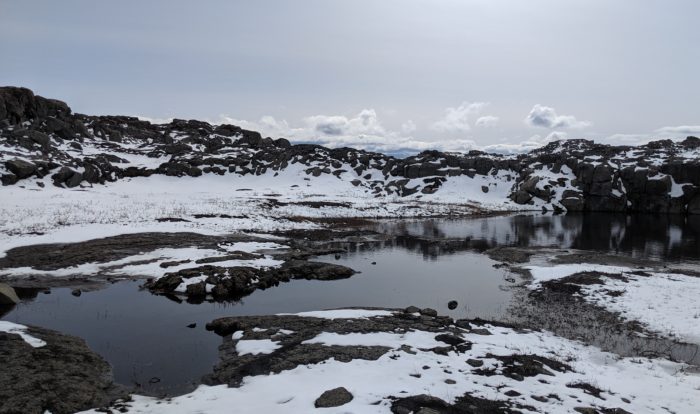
(151, 345)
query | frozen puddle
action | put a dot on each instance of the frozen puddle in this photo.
(665, 303)
(514, 369)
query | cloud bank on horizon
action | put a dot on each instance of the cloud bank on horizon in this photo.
(365, 131)
(393, 76)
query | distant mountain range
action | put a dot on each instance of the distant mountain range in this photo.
(43, 142)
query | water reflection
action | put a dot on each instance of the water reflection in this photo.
(644, 236)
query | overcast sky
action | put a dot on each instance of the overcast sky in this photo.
(382, 74)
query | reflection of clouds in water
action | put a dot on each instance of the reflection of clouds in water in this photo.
(675, 236)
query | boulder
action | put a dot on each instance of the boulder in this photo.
(20, 168)
(521, 197)
(602, 174)
(333, 398)
(8, 296)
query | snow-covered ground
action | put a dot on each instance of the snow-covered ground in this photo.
(665, 303)
(31, 215)
(633, 384)
(149, 263)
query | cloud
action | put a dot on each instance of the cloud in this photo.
(408, 127)
(680, 130)
(366, 122)
(486, 121)
(546, 117)
(457, 119)
(535, 141)
(362, 131)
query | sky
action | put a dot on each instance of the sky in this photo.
(386, 75)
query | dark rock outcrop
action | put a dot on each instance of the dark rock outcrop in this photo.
(64, 376)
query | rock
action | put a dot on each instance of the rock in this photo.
(333, 398)
(476, 363)
(522, 197)
(62, 176)
(9, 179)
(74, 180)
(196, 290)
(192, 325)
(8, 296)
(63, 376)
(428, 312)
(412, 309)
(452, 305)
(449, 339)
(76, 292)
(20, 168)
(602, 173)
(40, 138)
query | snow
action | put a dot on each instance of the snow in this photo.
(546, 273)
(21, 330)
(343, 314)
(30, 215)
(664, 303)
(148, 263)
(418, 339)
(634, 384)
(256, 346)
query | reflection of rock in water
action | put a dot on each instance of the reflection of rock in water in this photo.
(667, 236)
(573, 318)
(5, 309)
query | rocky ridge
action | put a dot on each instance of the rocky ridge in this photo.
(42, 138)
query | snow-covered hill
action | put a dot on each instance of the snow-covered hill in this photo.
(44, 146)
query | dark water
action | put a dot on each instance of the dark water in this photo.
(668, 238)
(148, 343)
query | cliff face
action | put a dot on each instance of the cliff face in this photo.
(41, 138)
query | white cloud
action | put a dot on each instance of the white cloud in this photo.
(366, 122)
(363, 131)
(457, 119)
(486, 121)
(535, 141)
(408, 127)
(680, 130)
(546, 117)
